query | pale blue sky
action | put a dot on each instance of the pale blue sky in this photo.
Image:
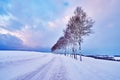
(37, 24)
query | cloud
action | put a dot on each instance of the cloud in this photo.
(10, 22)
(51, 24)
(8, 41)
(4, 20)
(16, 34)
(38, 23)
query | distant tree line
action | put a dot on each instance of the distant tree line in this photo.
(78, 26)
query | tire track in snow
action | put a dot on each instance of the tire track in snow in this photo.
(40, 72)
(55, 71)
(59, 70)
(52, 70)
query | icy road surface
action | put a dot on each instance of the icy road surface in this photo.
(21, 65)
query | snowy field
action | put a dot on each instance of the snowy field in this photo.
(22, 65)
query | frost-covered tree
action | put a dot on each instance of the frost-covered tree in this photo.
(79, 25)
(61, 44)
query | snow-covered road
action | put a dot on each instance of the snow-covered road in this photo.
(34, 66)
(51, 70)
(21, 65)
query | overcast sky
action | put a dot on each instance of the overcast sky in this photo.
(37, 24)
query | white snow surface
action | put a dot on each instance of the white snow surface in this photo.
(23, 65)
(117, 58)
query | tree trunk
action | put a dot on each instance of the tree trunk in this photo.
(80, 50)
(73, 52)
(65, 51)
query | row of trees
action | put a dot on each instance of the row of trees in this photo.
(78, 26)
